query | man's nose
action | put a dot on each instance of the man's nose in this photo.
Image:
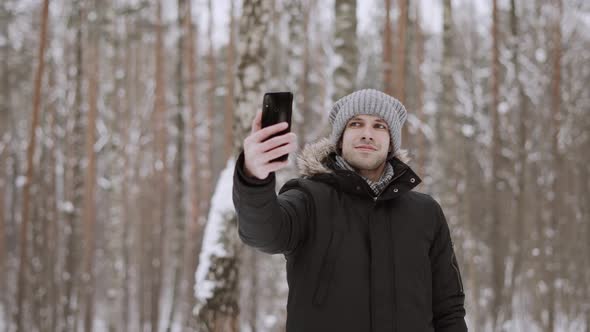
(367, 133)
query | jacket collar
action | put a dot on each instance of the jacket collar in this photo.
(316, 162)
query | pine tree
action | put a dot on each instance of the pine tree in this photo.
(24, 231)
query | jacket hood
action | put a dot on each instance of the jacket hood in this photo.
(315, 157)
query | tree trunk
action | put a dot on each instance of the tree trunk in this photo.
(448, 98)
(218, 308)
(448, 170)
(473, 188)
(35, 299)
(179, 210)
(519, 220)
(401, 59)
(421, 144)
(53, 235)
(557, 166)
(3, 191)
(71, 300)
(160, 168)
(140, 245)
(145, 255)
(3, 283)
(401, 51)
(207, 169)
(387, 51)
(5, 111)
(44, 233)
(496, 231)
(585, 197)
(295, 63)
(112, 233)
(445, 118)
(230, 73)
(89, 216)
(23, 262)
(126, 182)
(254, 287)
(143, 246)
(304, 85)
(345, 47)
(193, 236)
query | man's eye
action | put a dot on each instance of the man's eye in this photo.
(380, 126)
(352, 124)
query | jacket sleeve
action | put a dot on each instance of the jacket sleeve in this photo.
(273, 224)
(447, 287)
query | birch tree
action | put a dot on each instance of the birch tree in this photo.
(230, 83)
(345, 47)
(178, 228)
(195, 222)
(218, 271)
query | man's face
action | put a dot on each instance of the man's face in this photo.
(365, 143)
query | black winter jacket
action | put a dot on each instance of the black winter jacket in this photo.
(355, 263)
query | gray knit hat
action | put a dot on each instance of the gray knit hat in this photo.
(370, 102)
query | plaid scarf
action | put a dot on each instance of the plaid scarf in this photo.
(376, 186)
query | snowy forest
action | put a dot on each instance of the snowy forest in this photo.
(120, 122)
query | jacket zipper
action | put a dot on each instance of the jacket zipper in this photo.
(393, 293)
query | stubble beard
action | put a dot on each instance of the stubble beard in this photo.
(359, 162)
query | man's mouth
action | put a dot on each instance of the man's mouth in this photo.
(366, 147)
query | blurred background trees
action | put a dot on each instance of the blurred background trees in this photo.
(119, 122)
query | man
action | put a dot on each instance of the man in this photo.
(364, 252)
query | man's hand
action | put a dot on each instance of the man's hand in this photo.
(258, 153)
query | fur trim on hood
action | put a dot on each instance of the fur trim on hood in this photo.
(312, 160)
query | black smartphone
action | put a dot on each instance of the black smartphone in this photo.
(277, 107)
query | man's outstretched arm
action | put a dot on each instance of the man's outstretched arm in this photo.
(270, 223)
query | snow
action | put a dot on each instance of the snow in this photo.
(540, 55)
(104, 183)
(20, 181)
(467, 130)
(270, 321)
(251, 75)
(159, 165)
(100, 143)
(221, 206)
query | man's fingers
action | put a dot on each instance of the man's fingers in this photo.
(256, 122)
(280, 151)
(262, 161)
(264, 133)
(277, 141)
(259, 150)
